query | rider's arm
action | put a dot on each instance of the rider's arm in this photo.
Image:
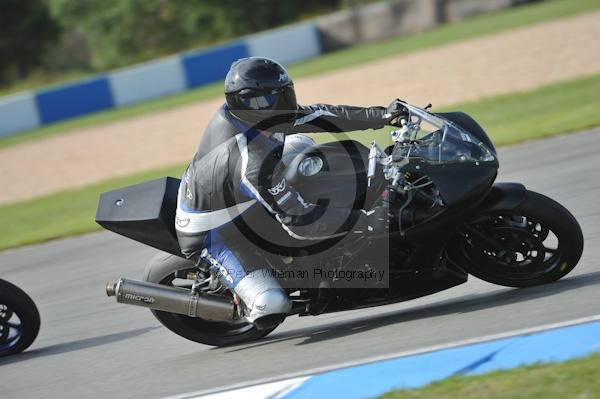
(339, 118)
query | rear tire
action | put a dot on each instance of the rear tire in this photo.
(529, 232)
(161, 270)
(19, 319)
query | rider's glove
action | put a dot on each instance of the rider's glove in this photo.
(396, 111)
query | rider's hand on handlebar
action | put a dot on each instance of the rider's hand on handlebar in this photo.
(395, 112)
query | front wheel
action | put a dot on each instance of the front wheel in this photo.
(161, 270)
(536, 243)
(19, 319)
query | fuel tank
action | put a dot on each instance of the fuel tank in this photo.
(334, 174)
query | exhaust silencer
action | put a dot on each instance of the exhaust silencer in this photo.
(171, 299)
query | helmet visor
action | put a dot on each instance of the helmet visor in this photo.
(264, 108)
(281, 98)
(258, 101)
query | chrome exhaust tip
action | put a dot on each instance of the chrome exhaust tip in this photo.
(111, 289)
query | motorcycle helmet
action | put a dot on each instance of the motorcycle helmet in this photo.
(260, 92)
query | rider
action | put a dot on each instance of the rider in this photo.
(238, 167)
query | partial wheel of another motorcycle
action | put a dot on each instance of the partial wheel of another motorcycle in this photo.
(19, 319)
(164, 269)
(537, 243)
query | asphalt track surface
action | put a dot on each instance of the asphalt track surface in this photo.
(90, 346)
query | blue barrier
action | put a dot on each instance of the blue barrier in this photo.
(75, 99)
(18, 112)
(153, 79)
(288, 44)
(211, 65)
(146, 81)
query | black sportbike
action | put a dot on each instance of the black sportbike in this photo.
(447, 219)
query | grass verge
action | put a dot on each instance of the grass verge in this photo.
(474, 27)
(558, 108)
(63, 214)
(573, 379)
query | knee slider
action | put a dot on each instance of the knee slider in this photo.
(271, 301)
(270, 309)
(262, 295)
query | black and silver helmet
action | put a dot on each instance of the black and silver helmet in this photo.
(260, 92)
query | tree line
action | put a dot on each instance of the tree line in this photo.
(59, 36)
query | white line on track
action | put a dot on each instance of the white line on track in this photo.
(305, 373)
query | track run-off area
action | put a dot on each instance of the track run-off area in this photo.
(91, 346)
(506, 62)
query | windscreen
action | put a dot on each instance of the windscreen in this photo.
(437, 140)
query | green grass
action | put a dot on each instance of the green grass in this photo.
(578, 378)
(63, 214)
(449, 33)
(474, 27)
(559, 108)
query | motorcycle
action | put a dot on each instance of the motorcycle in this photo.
(19, 319)
(447, 216)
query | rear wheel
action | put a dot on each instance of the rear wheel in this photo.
(536, 243)
(161, 270)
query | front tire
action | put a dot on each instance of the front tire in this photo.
(161, 270)
(538, 242)
(19, 319)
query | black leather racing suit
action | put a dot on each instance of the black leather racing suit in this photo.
(238, 169)
(236, 166)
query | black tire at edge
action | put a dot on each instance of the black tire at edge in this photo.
(21, 304)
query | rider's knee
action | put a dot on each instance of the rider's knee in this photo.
(271, 301)
(270, 309)
(263, 296)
